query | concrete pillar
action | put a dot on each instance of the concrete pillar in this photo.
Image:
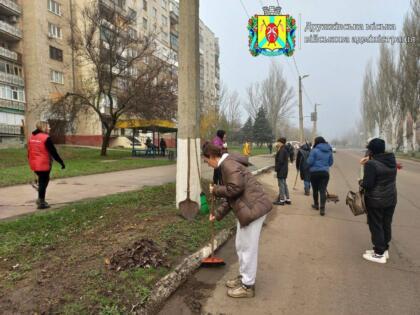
(188, 101)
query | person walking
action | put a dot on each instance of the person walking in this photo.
(250, 204)
(380, 190)
(246, 148)
(319, 161)
(219, 141)
(302, 166)
(41, 152)
(282, 169)
(162, 146)
(270, 148)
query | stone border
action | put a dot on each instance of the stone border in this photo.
(166, 286)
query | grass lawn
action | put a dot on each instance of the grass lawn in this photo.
(14, 167)
(255, 149)
(410, 156)
(54, 262)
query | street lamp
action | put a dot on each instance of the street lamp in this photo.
(315, 120)
(301, 108)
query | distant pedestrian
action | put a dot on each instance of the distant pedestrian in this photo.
(290, 151)
(219, 141)
(149, 146)
(162, 146)
(41, 152)
(245, 196)
(270, 148)
(282, 169)
(319, 161)
(303, 168)
(246, 148)
(379, 184)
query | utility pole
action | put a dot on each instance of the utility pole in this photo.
(314, 118)
(301, 131)
(188, 102)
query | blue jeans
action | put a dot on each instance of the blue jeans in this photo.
(307, 185)
(283, 189)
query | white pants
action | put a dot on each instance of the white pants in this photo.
(246, 242)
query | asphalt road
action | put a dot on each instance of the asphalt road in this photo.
(310, 264)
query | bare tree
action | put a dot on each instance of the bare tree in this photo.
(410, 73)
(370, 115)
(230, 110)
(276, 96)
(389, 89)
(254, 101)
(120, 73)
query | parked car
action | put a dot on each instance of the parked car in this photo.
(334, 149)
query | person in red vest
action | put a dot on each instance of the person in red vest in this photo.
(41, 151)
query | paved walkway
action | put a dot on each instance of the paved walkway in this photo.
(19, 200)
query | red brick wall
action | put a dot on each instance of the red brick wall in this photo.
(95, 141)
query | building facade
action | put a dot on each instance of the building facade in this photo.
(37, 63)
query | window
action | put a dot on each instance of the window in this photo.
(145, 23)
(54, 31)
(155, 12)
(57, 77)
(164, 20)
(12, 93)
(145, 5)
(54, 7)
(121, 3)
(56, 54)
(164, 3)
(132, 33)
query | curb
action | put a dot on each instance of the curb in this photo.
(164, 288)
(170, 283)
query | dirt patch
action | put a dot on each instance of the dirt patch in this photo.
(142, 254)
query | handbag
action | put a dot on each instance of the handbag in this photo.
(356, 202)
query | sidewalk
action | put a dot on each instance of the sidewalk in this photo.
(19, 200)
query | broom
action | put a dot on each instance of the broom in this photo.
(212, 261)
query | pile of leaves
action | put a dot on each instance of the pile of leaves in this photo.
(142, 254)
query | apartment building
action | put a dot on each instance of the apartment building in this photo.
(209, 57)
(12, 81)
(37, 63)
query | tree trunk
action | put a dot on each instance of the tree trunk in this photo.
(105, 141)
(405, 136)
(414, 137)
(394, 133)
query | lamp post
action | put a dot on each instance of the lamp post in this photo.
(314, 118)
(301, 132)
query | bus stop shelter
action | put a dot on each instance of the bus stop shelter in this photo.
(155, 126)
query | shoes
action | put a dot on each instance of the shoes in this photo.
(242, 291)
(42, 204)
(371, 252)
(322, 211)
(279, 203)
(315, 207)
(307, 193)
(288, 202)
(235, 282)
(380, 259)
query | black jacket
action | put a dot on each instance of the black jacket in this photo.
(282, 162)
(301, 165)
(379, 181)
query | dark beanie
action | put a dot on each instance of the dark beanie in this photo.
(376, 146)
(282, 140)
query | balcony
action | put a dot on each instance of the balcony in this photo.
(9, 7)
(113, 6)
(10, 129)
(9, 31)
(12, 105)
(11, 79)
(8, 54)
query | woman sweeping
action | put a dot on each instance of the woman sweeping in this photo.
(250, 204)
(41, 151)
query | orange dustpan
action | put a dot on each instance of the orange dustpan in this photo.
(212, 261)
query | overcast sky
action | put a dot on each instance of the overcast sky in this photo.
(336, 70)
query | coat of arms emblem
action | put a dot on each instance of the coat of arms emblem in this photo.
(272, 34)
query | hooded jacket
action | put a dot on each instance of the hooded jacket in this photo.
(302, 162)
(321, 158)
(243, 193)
(379, 181)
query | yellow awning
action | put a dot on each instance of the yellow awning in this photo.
(150, 125)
